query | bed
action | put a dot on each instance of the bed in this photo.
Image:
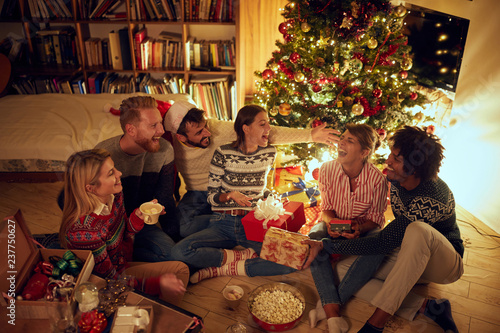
(39, 132)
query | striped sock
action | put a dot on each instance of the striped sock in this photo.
(232, 269)
(237, 255)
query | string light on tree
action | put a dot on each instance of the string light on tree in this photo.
(342, 61)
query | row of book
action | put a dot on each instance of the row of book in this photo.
(215, 95)
(165, 51)
(49, 9)
(110, 52)
(210, 55)
(98, 83)
(146, 10)
(10, 10)
(56, 45)
(208, 10)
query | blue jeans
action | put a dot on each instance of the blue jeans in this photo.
(359, 273)
(204, 248)
(194, 212)
(152, 244)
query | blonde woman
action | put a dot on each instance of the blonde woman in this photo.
(94, 219)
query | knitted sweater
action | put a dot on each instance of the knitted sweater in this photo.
(431, 202)
(231, 170)
(109, 237)
(193, 163)
(145, 177)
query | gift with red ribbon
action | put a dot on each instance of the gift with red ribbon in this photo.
(256, 223)
(92, 322)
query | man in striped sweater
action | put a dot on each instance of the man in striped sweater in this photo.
(195, 141)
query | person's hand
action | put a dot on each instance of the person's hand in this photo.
(321, 134)
(171, 286)
(355, 233)
(239, 198)
(315, 247)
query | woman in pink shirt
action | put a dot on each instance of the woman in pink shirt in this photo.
(353, 189)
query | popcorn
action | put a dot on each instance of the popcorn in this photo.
(277, 306)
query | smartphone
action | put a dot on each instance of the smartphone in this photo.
(340, 225)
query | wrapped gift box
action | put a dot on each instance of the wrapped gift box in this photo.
(289, 183)
(285, 248)
(292, 220)
(16, 243)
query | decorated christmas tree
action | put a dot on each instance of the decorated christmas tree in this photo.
(342, 61)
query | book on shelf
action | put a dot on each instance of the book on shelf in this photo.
(114, 46)
(139, 37)
(56, 45)
(125, 48)
(214, 93)
(10, 10)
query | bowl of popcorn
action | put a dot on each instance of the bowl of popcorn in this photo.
(276, 306)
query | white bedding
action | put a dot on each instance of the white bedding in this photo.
(43, 129)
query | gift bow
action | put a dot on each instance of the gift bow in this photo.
(92, 322)
(311, 192)
(269, 209)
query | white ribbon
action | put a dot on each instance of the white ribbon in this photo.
(269, 209)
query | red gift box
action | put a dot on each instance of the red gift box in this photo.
(292, 220)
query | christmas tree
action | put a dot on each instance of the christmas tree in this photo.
(342, 61)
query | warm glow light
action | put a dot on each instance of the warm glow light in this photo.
(443, 37)
(443, 70)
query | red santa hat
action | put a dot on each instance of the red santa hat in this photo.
(175, 114)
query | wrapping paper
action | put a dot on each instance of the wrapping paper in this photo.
(285, 248)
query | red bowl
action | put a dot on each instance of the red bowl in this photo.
(271, 287)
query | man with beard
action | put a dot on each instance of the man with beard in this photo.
(147, 163)
(195, 141)
(423, 242)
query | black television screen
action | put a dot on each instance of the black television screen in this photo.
(438, 41)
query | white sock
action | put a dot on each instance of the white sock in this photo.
(337, 325)
(233, 268)
(316, 314)
(237, 255)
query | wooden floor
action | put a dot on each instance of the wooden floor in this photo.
(475, 298)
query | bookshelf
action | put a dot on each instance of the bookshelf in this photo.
(127, 19)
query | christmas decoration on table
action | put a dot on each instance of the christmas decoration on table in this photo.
(87, 296)
(284, 247)
(92, 322)
(114, 294)
(343, 61)
(132, 319)
(272, 212)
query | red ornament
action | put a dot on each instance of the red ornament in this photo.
(36, 287)
(287, 38)
(316, 123)
(315, 173)
(403, 74)
(283, 27)
(377, 93)
(267, 74)
(317, 88)
(413, 96)
(430, 129)
(92, 321)
(294, 57)
(382, 133)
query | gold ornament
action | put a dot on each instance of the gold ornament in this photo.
(320, 62)
(322, 41)
(400, 11)
(336, 66)
(285, 109)
(346, 23)
(372, 43)
(339, 104)
(348, 100)
(299, 77)
(274, 111)
(358, 109)
(406, 64)
(418, 117)
(306, 27)
(355, 65)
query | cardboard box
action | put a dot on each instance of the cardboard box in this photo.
(292, 221)
(285, 248)
(19, 257)
(308, 191)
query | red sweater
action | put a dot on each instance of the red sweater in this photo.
(109, 237)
